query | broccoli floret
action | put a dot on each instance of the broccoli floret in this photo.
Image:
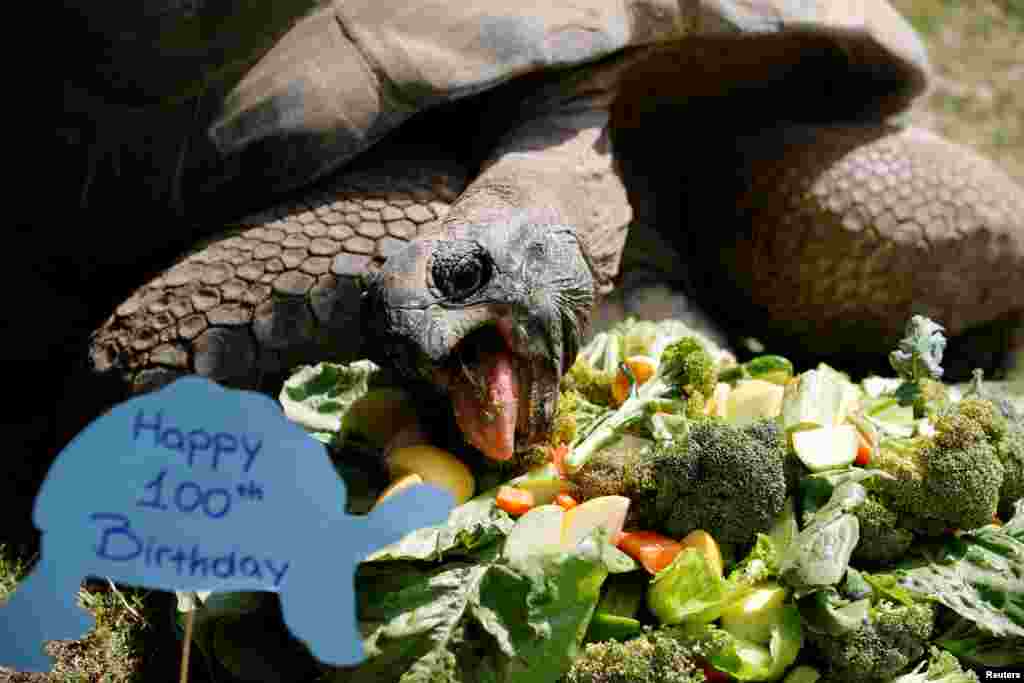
(882, 541)
(985, 415)
(723, 479)
(684, 370)
(729, 481)
(631, 473)
(964, 469)
(1004, 429)
(950, 480)
(773, 436)
(694, 370)
(942, 668)
(573, 415)
(617, 473)
(657, 656)
(893, 638)
(1010, 450)
(593, 384)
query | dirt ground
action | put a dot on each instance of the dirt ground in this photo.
(977, 54)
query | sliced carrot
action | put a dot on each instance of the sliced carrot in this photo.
(651, 549)
(566, 501)
(514, 501)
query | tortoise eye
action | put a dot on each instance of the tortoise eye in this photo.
(460, 269)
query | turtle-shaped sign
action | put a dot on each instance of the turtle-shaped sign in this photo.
(197, 487)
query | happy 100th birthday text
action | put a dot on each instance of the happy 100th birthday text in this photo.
(120, 542)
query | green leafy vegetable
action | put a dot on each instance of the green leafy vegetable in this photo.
(820, 554)
(318, 396)
(482, 618)
(827, 612)
(979, 648)
(475, 524)
(979, 575)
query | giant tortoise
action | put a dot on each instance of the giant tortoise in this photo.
(238, 168)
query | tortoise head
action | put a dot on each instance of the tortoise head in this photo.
(489, 315)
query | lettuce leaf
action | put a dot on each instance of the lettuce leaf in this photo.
(977, 574)
(475, 524)
(976, 647)
(318, 396)
(478, 619)
(820, 554)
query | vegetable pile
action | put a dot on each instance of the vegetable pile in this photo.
(697, 519)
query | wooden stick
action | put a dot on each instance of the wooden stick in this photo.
(186, 647)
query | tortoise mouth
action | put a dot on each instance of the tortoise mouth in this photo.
(503, 392)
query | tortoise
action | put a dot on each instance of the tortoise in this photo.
(492, 171)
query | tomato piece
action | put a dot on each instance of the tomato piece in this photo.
(514, 501)
(651, 549)
(863, 451)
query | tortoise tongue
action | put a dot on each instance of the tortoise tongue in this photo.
(486, 402)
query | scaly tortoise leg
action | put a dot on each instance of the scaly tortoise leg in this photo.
(846, 231)
(275, 289)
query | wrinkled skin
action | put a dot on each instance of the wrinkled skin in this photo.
(491, 315)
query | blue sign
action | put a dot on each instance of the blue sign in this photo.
(194, 488)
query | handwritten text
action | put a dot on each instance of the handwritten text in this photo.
(195, 442)
(119, 543)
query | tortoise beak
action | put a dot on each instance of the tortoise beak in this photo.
(489, 315)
